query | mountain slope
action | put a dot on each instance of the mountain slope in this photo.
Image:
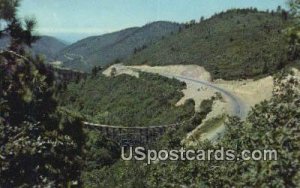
(128, 101)
(236, 44)
(46, 46)
(104, 49)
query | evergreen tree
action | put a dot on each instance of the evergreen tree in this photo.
(293, 31)
(39, 144)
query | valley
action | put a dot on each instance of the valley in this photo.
(46, 46)
(112, 47)
(228, 82)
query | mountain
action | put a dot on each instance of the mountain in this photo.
(46, 46)
(239, 43)
(105, 49)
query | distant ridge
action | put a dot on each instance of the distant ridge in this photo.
(46, 46)
(105, 49)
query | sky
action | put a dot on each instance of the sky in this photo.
(71, 20)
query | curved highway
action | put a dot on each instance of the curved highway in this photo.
(238, 106)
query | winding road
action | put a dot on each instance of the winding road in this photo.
(237, 105)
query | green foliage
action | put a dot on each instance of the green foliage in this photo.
(294, 7)
(36, 143)
(232, 45)
(39, 146)
(8, 9)
(206, 106)
(137, 174)
(100, 151)
(128, 101)
(293, 32)
(110, 48)
(100, 154)
(95, 71)
(272, 124)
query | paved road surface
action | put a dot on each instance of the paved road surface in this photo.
(239, 107)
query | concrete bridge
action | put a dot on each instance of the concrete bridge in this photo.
(131, 136)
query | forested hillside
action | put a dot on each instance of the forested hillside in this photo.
(272, 124)
(235, 44)
(105, 49)
(128, 101)
(46, 46)
(40, 146)
(45, 142)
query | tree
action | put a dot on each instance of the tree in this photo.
(113, 72)
(293, 32)
(272, 13)
(40, 145)
(95, 70)
(284, 15)
(270, 125)
(202, 19)
(192, 22)
(279, 9)
(265, 69)
(294, 6)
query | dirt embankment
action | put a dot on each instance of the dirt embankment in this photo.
(250, 92)
(191, 71)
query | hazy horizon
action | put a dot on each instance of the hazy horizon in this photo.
(63, 20)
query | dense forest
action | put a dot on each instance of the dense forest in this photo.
(108, 48)
(43, 142)
(40, 145)
(128, 101)
(238, 43)
(271, 124)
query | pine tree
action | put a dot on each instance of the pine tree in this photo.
(39, 144)
(293, 31)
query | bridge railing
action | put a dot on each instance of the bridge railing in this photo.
(131, 135)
